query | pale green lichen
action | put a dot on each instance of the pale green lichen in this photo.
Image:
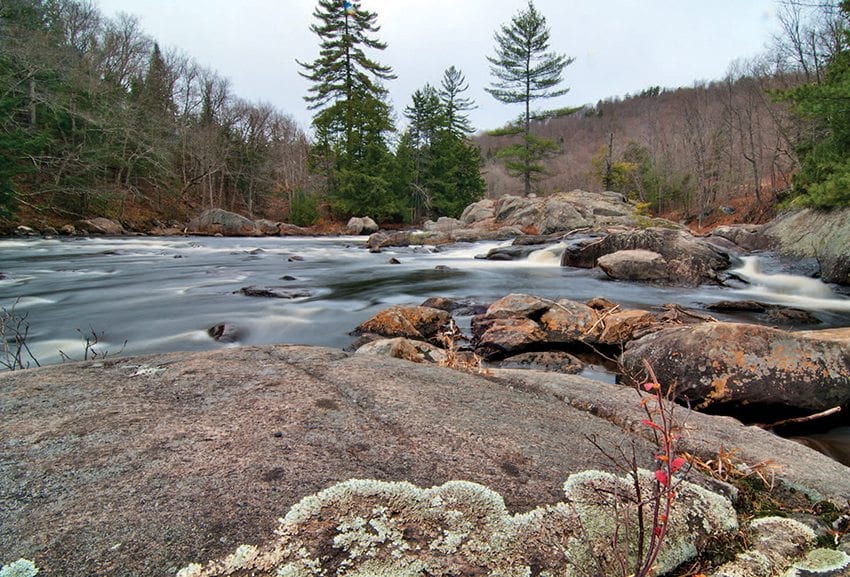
(365, 527)
(821, 561)
(20, 568)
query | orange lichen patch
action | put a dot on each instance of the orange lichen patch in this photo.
(719, 391)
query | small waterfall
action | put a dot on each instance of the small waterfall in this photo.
(551, 255)
(785, 286)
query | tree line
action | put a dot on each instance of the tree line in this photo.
(98, 119)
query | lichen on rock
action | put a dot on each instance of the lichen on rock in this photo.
(367, 527)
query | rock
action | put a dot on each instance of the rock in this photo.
(774, 314)
(393, 260)
(518, 305)
(99, 226)
(775, 543)
(634, 265)
(407, 349)
(219, 221)
(274, 292)
(620, 327)
(555, 361)
(737, 365)
(569, 322)
(381, 528)
(22, 230)
(225, 333)
(816, 233)
(49, 231)
(268, 227)
(479, 211)
(361, 225)
(499, 337)
(419, 323)
(749, 237)
(181, 457)
(513, 252)
(443, 224)
(690, 260)
(285, 229)
(68, 230)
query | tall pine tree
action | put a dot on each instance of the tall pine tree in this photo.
(525, 70)
(352, 117)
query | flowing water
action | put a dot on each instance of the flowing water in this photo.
(162, 294)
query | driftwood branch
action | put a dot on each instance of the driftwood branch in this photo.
(806, 419)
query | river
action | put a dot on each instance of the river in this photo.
(162, 294)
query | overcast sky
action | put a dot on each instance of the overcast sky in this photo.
(620, 46)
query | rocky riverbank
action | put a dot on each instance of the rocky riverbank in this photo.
(143, 465)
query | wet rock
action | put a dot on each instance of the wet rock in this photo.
(23, 230)
(68, 230)
(406, 349)
(569, 321)
(740, 365)
(420, 323)
(634, 265)
(225, 333)
(100, 226)
(690, 260)
(393, 260)
(555, 361)
(274, 292)
(513, 252)
(499, 337)
(218, 221)
(773, 314)
(824, 234)
(295, 258)
(361, 225)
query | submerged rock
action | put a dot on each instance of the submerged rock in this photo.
(274, 292)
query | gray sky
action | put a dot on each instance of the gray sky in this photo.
(620, 46)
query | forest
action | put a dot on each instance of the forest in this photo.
(98, 119)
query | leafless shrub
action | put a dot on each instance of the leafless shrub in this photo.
(14, 331)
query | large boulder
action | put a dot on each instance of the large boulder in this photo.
(734, 366)
(824, 235)
(99, 225)
(361, 225)
(139, 466)
(690, 260)
(637, 264)
(220, 221)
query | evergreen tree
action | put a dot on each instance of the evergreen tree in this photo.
(824, 177)
(526, 71)
(440, 168)
(352, 118)
(453, 86)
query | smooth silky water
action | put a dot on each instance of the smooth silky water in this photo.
(162, 294)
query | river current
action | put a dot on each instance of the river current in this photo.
(163, 294)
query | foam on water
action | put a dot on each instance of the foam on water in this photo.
(549, 256)
(795, 290)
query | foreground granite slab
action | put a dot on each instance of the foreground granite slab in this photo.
(138, 466)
